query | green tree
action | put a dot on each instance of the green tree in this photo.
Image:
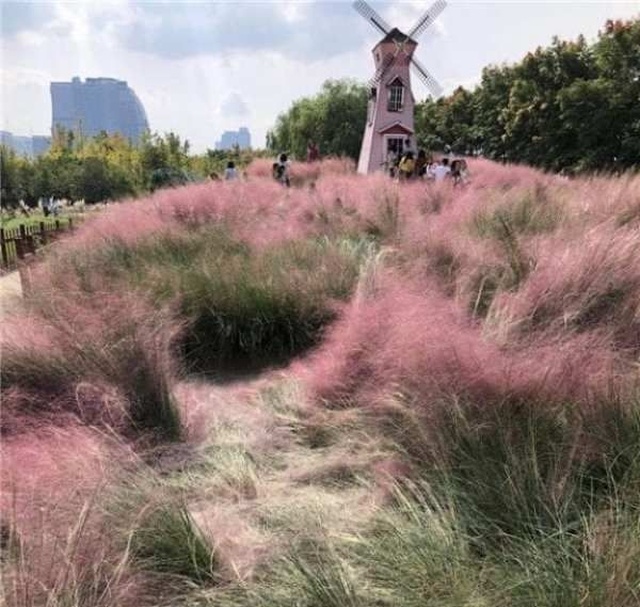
(570, 106)
(334, 119)
(9, 178)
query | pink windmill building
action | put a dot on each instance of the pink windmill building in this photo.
(389, 130)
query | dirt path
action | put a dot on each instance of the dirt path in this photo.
(10, 292)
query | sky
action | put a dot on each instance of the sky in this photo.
(203, 67)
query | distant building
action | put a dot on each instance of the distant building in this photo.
(40, 144)
(96, 105)
(231, 139)
(25, 146)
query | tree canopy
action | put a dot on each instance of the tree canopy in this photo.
(334, 119)
(571, 106)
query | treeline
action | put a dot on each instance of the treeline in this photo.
(570, 107)
(106, 167)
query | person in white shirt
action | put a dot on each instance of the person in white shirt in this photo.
(281, 170)
(230, 173)
(441, 171)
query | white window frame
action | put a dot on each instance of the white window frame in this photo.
(395, 101)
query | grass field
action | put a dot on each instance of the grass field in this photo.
(349, 393)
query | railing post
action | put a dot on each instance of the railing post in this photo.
(4, 254)
(43, 233)
(21, 242)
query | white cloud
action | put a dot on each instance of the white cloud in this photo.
(233, 105)
(185, 60)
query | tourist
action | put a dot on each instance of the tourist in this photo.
(281, 170)
(458, 171)
(231, 173)
(441, 170)
(392, 161)
(421, 164)
(313, 153)
(406, 167)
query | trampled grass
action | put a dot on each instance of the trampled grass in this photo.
(350, 392)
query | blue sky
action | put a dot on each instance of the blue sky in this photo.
(204, 67)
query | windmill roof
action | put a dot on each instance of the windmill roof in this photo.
(395, 35)
(395, 126)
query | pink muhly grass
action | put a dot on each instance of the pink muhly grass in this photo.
(302, 172)
(401, 338)
(207, 408)
(489, 174)
(260, 168)
(598, 199)
(240, 547)
(407, 340)
(52, 482)
(87, 355)
(584, 284)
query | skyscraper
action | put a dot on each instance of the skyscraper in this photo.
(231, 139)
(98, 104)
(29, 146)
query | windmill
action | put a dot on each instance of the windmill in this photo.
(390, 107)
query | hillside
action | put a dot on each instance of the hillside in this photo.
(348, 393)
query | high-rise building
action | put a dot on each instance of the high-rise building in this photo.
(98, 104)
(231, 139)
(24, 145)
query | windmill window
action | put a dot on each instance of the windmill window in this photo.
(396, 96)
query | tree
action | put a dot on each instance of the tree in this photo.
(334, 119)
(570, 106)
(9, 178)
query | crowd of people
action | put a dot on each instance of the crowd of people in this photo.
(403, 167)
(409, 165)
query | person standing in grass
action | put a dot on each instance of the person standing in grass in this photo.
(231, 173)
(441, 171)
(313, 153)
(421, 164)
(406, 167)
(458, 171)
(281, 170)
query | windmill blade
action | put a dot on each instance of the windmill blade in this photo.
(428, 18)
(370, 15)
(430, 82)
(382, 68)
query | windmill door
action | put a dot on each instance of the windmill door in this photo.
(393, 144)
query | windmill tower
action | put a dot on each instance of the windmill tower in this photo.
(390, 107)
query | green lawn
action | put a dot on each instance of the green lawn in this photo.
(35, 218)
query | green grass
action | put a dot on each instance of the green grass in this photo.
(34, 219)
(243, 308)
(168, 540)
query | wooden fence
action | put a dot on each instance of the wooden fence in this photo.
(16, 243)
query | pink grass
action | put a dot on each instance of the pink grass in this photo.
(52, 483)
(408, 340)
(587, 283)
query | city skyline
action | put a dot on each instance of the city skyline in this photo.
(202, 68)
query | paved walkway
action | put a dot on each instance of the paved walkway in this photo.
(10, 292)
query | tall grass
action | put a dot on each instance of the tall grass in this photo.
(458, 425)
(104, 359)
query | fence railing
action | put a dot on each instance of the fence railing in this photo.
(16, 243)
